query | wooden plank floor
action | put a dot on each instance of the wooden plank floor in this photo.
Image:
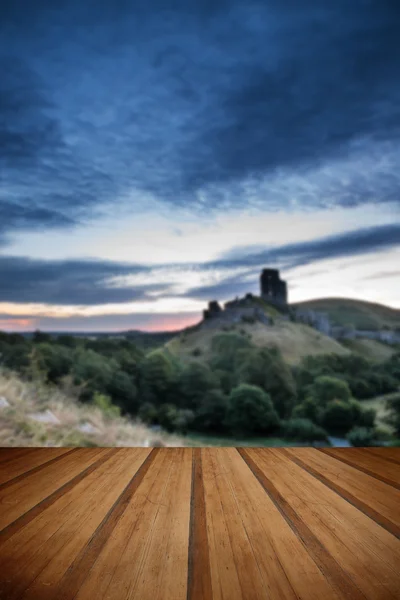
(202, 523)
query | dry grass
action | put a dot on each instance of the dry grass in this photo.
(17, 428)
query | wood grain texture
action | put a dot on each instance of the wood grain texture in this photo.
(199, 524)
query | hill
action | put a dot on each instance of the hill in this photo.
(294, 340)
(370, 349)
(33, 414)
(363, 315)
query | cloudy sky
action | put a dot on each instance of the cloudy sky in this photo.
(157, 154)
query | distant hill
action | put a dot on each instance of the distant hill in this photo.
(294, 340)
(363, 315)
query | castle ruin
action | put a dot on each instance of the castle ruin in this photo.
(273, 289)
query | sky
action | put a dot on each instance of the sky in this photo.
(157, 155)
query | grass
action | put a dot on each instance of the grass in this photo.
(17, 428)
(370, 349)
(294, 340)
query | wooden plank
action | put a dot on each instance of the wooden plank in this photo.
(8, 454)
(141, 558)
(267, 542)
(391, 454)
(371, 465)
(346, 535)
(199, 575)
(35, 511)
(71, 531)
(22, 496)
(27, 464)
(200, 524)
(374, 498)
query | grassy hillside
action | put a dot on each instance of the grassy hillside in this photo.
(370, 349)
(379, 405)
(78, 424)
(363, 315)
(294, 340)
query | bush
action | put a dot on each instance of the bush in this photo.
(303, 430)
(308, 409)
(251, 411)
(326, 388)
(337, 417)
(361, 436)
(196, 352)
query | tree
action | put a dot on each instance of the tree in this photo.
(123, 391)
(225, 348)
(361, 437)
(56, 360)
(92, 370)
(393, 418)
(303, 430)
(326, 388)
(195, 381)
(251, 411)
(212, 412)
(266, 369)
(148, 413)
(156, 377)
(337, 417)
(308, 409)
(39, 337)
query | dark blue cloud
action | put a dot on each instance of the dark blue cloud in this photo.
(353, 243)
(67, 282)
(174, 97)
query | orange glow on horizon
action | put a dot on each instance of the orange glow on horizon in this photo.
(17, 324)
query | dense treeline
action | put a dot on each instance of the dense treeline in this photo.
(238, 390)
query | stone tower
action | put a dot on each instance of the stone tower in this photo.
(273, 288)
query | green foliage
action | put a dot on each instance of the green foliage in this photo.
(337, 416)
(196, 380)
(266, 369)
(251, 411)
(173, 419)
(361, 437)
(393, 406)
(57, 361)
(326, 388)
(303, 430)
(308, 409)
(157, 377)
(106, 406)
(40, 337)
(212, 412)
(148, 413)
(364, 382)
(225, 348)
